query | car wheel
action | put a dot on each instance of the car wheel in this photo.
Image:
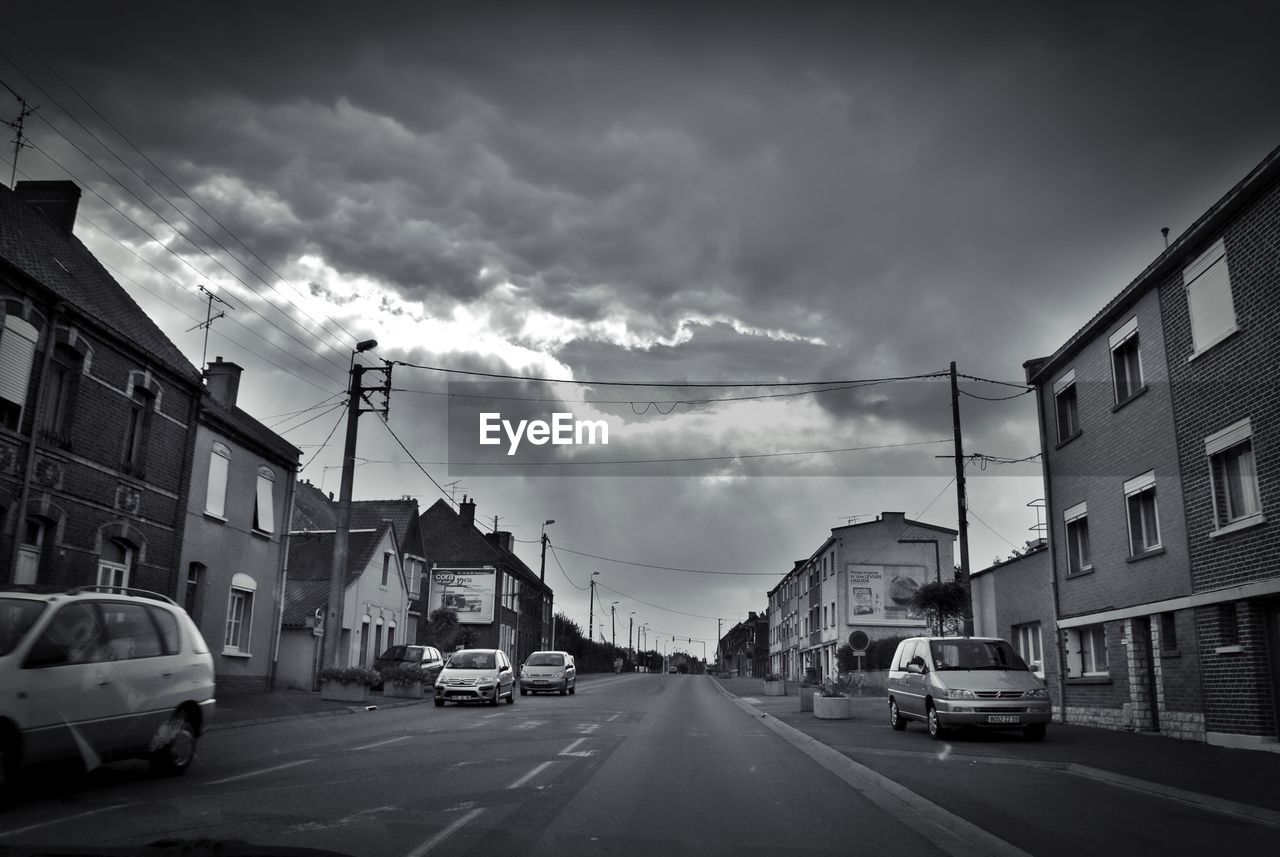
(497, 694)
(896, 720)
(8, 766)
(573, 688)
(1034, 732)
(936, 732)
(524, 692)
(511, 697)
(564, 689)
(439, 703)
(174, 746)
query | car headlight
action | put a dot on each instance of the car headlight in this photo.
(559, 674)
(961, 693)
(1037, 693)
(488, 679)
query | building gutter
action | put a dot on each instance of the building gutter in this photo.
(1053, 554)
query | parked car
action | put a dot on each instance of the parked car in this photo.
(476, 675)
(965, 682)
(425, 658)
(100, 673)
(548, 672)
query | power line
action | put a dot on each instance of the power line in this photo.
(562, 571)
(1016, 386)
(996, 398)
(335, 406)
(321, 447)
(673, 384)
(655, 606)
(671, 568)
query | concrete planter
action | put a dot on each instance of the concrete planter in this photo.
(339, 692)
(833, 707)
(806, 698)
(775, 688)
(416, 690)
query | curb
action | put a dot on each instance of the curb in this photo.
(219, 725)
(959, 837)
(1208, 803)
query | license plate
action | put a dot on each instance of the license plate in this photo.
(1003, 718)
(539, 682)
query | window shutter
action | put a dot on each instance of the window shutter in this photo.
(1209, 301)
(17, 352)
(215, 500)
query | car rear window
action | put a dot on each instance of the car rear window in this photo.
(17, 615)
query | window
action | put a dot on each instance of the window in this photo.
(386, 567)
(1209, 303)
(113, 563)
(1064, 397)
(1087, 651)
(168, 626)
(73, 636)
(1140, 503)
(1228, 625)
(215, 495)
(1168, 633)
(824, 616)
(239, 615)
(1126, 366)
(1076, 520)
(264, 507)
(60, 394)
(17, 352)
(1026, 639)
(1234, 474)
(130, 631)
(138, 430)
(190, 598)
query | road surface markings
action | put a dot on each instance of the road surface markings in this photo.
(539, 769)
(453, 828)
(63, 820)
(529, 724)
(614, 717)
(381, 743)
(259, 772)
(587, 728)
(567, 750)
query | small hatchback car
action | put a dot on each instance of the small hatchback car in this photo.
(965, 681)
(100, 673)
(548, 672)
(425, 658)
(476, 675)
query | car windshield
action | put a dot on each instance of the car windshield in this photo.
(16, 617)
(545, 660)
(975, 655)
(472, 661)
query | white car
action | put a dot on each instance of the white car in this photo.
(100, 673)
(548, 672)
(476, 675)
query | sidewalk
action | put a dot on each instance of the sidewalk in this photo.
(1237, 781)
(246, 709)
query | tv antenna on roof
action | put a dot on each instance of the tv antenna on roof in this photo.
(208, 323)
(24, 110)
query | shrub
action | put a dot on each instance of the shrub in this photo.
(773, 677)
(351, 675)
(402, 675)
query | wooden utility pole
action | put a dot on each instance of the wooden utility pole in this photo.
(962, 502)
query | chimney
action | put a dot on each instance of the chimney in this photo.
(501, 539)
(57, 200)
(894, 517)
(467, 510)
(223, 381)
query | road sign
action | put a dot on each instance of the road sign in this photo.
(858, 641)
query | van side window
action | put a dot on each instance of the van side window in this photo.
(906, 654)
(168, 625)
(130, 631)
(73, 636)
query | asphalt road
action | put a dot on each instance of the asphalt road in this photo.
(632, 765)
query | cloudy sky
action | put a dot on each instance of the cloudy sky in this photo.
(653, 193)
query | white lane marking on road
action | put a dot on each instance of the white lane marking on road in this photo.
(569, 749)
(587, 728)
(529, 724)
(259, 772)
(491, 716)
(64, 819)
(613, 718)
(539, 769)
(426, 847)
(381, 743)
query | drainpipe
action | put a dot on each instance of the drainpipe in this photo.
(286, 541)
(1053, 551)
(24, 495)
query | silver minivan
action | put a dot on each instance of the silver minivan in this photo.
(981, 682)
(100, 673)
(548, 672)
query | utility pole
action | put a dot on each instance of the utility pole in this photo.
(630, 623)
(591, 606)
(613, 624)
(962, 503)
(342, 529)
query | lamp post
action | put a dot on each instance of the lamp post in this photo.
(591, 605)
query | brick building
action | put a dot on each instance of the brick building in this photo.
(97, 411)
(1160, 427)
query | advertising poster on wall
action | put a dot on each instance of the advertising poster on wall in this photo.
(469, 592)
(881, 594)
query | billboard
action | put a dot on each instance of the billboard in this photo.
(881, 594)
(468, 592)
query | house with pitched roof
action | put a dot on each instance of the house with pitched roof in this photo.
(98, 411)
(500, 602)
(233, 555)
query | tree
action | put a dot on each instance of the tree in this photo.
(945, 600)
(442, 629)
